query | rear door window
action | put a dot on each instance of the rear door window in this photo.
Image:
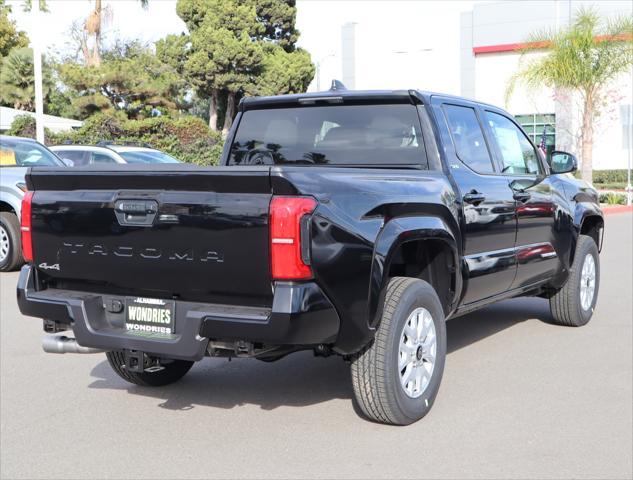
(330, 135)
(468, 138)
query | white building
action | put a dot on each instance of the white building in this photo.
(491, 37)
(468, 48)
(53, 123)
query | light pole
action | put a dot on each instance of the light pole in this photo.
(626, 118)
(37, 74)
(317, 65)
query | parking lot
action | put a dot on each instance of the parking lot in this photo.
(520, 398)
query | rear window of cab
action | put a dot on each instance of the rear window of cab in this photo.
(330, 135)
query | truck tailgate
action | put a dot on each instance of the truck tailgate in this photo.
(182, 232)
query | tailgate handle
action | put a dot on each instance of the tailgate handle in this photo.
(138, 213)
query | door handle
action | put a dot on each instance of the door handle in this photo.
(139, 213)
(474, 197)
(522, 196)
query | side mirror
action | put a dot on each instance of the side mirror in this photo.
(68, 162)
(563, 162)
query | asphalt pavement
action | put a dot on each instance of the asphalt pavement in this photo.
(521, 398)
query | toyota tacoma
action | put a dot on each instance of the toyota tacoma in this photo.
(343, 222)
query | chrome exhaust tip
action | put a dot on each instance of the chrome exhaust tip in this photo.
(62, 344)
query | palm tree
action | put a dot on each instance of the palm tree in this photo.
(17, 83)
(93, 26)
(583, 59)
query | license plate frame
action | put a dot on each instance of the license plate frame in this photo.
(150, 316)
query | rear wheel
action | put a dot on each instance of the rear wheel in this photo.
(170, 373)
(396, 378)
(573, 304)
(10, 248)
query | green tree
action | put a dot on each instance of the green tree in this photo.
(226, 63)
(222, 58)
(237, 48)
(27, 5)
(17, 84)
(277, 18)
(130, 79)
(173, 50)
(584, 59)
(284, 72)
(10, 36)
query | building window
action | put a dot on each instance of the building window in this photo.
(534, 123)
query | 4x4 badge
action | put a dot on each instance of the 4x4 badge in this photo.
(46, 266)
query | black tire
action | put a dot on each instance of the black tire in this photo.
(375, 372)
(172, 372)
(11, 227)
(566, 305)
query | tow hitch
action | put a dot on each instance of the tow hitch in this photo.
(139, 362)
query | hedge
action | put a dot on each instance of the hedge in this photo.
(613, 198)
(610, 176)
(186, 138)
(24, 126)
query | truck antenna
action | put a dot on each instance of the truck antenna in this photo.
(337, 85)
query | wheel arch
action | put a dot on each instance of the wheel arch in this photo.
(592, 225)
(589, 221)
(6, 207)
(416, 247)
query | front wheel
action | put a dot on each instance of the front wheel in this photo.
(170, 373)
(396, 378)
(573, 304)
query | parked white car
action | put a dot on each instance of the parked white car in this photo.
(81, 155)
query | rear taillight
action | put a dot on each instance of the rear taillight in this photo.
(27, 239)
(289, 252)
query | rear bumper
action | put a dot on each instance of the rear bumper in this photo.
(301, 314)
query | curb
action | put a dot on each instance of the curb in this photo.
(609, 209)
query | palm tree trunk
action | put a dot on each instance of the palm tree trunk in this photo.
(587, 138)
(93, 27)
(96, 54)
(213, 111)
(228, 116)
(85, 51)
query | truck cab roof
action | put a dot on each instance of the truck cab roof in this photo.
(412, 96)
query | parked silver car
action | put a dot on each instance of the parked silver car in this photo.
(109, 153)
(17, 154)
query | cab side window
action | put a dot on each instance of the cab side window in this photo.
(101, 158)
(468, 138)
(518, 155)
(78, 157)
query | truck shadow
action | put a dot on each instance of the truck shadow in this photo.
(300, 379)
(464, 331)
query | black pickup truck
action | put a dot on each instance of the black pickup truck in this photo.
(348, 223)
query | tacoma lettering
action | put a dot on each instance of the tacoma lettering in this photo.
(148, 253)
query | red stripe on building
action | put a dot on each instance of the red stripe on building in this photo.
(514, 47)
